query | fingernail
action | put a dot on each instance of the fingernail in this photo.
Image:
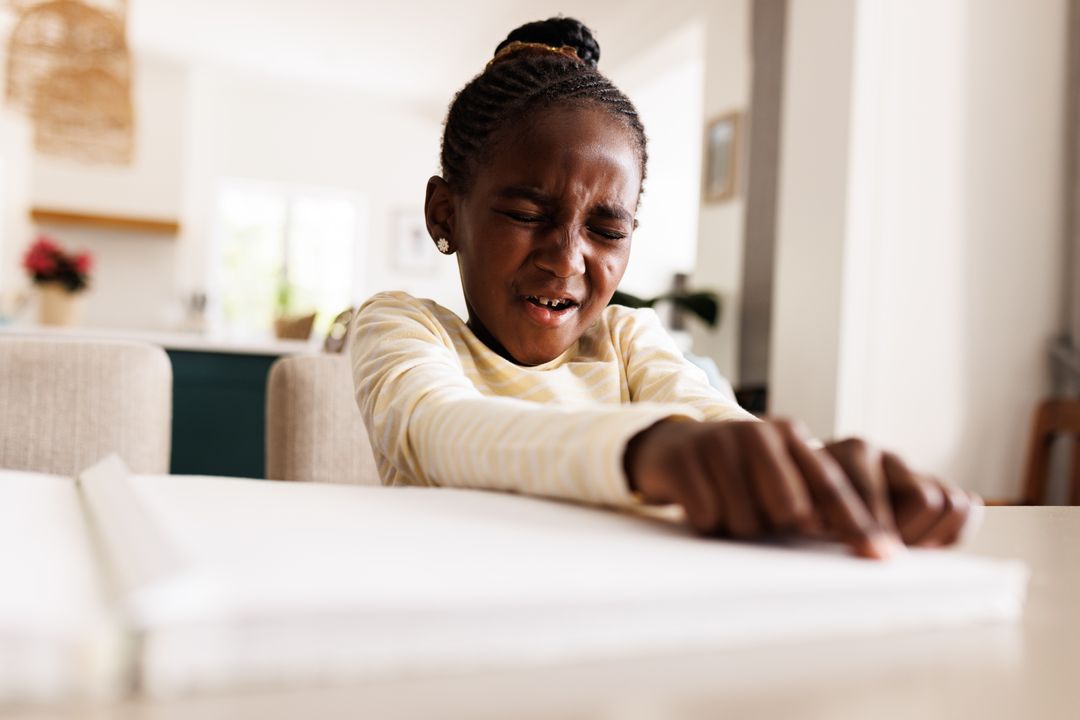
(883, 546)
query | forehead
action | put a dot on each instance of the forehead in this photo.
(565, 145)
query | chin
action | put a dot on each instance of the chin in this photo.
(538, 356)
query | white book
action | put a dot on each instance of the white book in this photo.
(229, 583)
(59, 638)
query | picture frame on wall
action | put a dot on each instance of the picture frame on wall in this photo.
(413, 249)
(721, 157)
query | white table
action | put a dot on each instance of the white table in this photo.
(1026, 670)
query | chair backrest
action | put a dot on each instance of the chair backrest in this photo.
(65, 404)
(1053, 419)
(314, 431)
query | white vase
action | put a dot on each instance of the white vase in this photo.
(57, 305)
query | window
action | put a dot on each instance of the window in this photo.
(281, 250)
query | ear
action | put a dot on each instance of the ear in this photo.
(439, 210)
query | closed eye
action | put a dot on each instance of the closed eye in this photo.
(609, 234)
(524, 217)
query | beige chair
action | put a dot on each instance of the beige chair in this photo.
(314, 431)
(65, 404)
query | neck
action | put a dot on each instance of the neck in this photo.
(488, 339)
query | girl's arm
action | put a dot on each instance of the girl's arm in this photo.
(430, 426)
(656, 371)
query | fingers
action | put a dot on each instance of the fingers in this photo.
(861, 463)
(947, 529)
(746, 480)
(928, 513)
(917, 502)
(764, 478)
(741, 481)
(954, 515)
(776, 479)
(724, 464)
(713, 491)
(700, 500)
(840, 508)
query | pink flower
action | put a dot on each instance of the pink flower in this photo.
(40, 259)
(46, 243)
(83, 263)
(46, 261)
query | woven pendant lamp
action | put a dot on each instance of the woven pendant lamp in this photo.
(69, 68)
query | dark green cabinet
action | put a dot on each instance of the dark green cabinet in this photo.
(219, 413)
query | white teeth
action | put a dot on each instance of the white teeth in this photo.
(549, 302)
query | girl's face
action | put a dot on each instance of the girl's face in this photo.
(543, 236)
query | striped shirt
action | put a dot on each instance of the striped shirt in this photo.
(443, 409)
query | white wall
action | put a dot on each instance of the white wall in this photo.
(152, 185)
(322, 136)
(193, 128)
(198, 124)
(129, 265)
(15, 231)
(720, 226)
(133, 281)
(812, 212)
(920, 227)
(666, 84)
(1013, 185)
(904, 271)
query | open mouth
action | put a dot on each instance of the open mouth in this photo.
(549, 312)
(556, 304)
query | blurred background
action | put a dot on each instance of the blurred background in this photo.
(879, 192)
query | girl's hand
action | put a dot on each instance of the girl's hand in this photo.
(755, 479)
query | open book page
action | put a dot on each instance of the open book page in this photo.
(58, 638)
(281, 582)
(137, 556)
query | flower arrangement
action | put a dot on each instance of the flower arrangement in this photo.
(47, 262)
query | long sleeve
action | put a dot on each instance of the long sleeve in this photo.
(430, 425)
(656, 370)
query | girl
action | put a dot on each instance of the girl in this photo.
(548, 390)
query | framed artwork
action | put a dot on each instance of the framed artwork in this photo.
(413, 249)
(721, 157)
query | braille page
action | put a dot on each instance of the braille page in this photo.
(57, 639)
(287, 583)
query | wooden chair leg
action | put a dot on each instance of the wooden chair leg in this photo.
(1038, 464)
(1074, 474)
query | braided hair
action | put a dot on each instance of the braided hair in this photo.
(519, 82)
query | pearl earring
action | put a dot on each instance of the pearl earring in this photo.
(443, 245)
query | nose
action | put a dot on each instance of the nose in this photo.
(560, 252)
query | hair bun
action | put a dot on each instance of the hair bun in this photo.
(558, 31)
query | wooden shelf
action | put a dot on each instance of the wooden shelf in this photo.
(114, 222)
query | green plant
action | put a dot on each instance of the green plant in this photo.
(703, 304)
(286, 298)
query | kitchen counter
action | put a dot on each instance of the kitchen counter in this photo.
(191, 342)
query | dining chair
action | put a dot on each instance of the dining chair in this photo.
(314, 430)
(1053, 419)
(65, 403)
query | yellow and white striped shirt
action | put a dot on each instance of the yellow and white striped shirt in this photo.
(441, 408)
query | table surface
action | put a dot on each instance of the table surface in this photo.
(1029, 669)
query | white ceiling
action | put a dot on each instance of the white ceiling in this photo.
(418, 50)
